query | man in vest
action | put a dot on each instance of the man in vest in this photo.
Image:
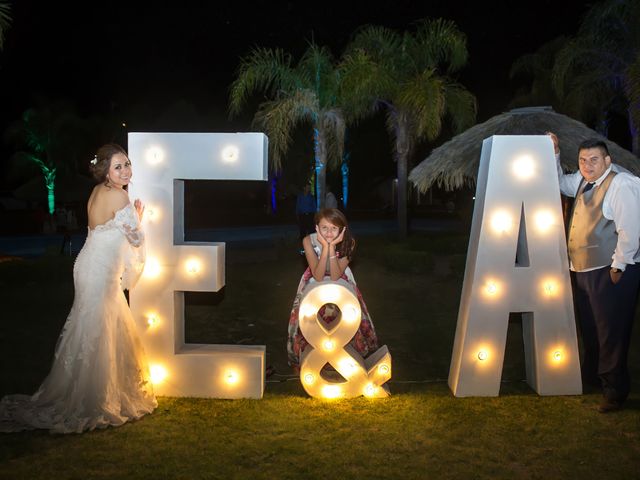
(604, 252)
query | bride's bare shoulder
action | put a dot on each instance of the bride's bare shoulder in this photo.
(106, 198)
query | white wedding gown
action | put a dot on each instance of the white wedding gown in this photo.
(99, 375)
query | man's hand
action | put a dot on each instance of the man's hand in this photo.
(554, 139)
(616, 275)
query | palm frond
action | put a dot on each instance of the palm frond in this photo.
(5, 20)
(422, 97)
(278, 118)
(262, 70)
(439, 42)
(461, 106)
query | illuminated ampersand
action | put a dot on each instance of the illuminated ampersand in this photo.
(330, 346)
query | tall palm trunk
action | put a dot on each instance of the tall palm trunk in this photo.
(320, 156)
(344, 170)
(403, 148)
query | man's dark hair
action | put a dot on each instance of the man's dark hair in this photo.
(593, 143)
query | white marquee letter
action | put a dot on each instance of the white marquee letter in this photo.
(516, 262)
(161, 163)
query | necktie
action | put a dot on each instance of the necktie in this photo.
(588, 187)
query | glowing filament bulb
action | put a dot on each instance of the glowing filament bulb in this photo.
(231, 377)
(544, 220)
(152, 213)
(501, 222)
(309, 378)
(230, 153)
(153, 320)
(329, 294)
(557, 355)
(370, 390)
(328, 345)
(491, 288)
(550, 288)
(307, 310)
(524, 167)
(348, 366)
(192, 266)
(482, 355)
(154, 155)
(383, 369)
(350, 314)
(158, 373)
(331, 391)
(152, 268)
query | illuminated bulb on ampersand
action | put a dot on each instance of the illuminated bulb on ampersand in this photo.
(501, 222)
(328, 345)
(491, 288)
(383, 369)
(482, 355)
(152, 213)
(557, 355)
(309, 378)
(370, 390)
(157, 373)
(307, 310)
(350, 314)
(331, 391)
(329, 294)
(348, 366)
(524, 167)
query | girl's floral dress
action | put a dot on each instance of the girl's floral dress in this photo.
(364, 341)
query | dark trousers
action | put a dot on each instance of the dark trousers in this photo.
(606, 313)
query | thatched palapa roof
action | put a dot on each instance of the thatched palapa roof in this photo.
(454, 164)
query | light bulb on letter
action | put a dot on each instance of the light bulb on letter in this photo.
(154, 155)
(157, 373)
(524, 167)
(501, 222)
(483, 355)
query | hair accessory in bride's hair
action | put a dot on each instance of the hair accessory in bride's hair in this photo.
(95, 160)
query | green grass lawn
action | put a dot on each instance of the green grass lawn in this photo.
(412, 290)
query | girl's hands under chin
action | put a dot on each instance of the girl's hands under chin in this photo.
(321, 239)
(339, 238)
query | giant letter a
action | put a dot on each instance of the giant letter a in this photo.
(516, 262)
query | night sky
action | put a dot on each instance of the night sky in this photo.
(142, 63)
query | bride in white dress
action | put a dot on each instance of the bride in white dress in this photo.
(99, 375)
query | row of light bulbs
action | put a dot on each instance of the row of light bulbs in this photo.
(556, 355)
(155, 155)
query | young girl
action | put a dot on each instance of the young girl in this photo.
(328, 253)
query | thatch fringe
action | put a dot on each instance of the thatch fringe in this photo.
(454, 164)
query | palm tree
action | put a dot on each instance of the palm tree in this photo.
(5, 20)
(602, 61)
(304, 92)
(50, 137)
(409, 76)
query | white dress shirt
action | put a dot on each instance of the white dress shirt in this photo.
(621, 204)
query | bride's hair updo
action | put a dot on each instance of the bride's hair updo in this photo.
(99, 166)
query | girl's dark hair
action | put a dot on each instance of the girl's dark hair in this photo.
(334, 216)
(100, 168)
